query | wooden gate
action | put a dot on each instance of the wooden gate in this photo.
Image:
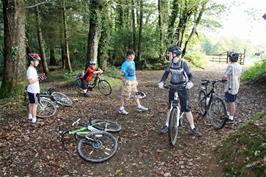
(223, 57)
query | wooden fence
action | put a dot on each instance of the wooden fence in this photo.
(223, 57)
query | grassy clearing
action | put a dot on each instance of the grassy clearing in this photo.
(255, 71)
(244, 153)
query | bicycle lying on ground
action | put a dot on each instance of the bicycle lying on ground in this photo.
(209, 102)
(49, 101)
(176, 116)
(95, 144)
(103, 85)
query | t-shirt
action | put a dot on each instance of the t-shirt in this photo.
(88, 73)
(32, 74)
(233, 72)
(129, 69)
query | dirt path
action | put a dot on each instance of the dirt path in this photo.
(28, 150)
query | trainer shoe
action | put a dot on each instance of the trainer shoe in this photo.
(195, 132)
(231, 121)
(142, 109)
(85, 94)
(122, 111)
(34, 120)
(164, 129)
(29, 116)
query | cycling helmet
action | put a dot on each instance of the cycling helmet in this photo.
(176, 50)
(92, 62)
(140, 95)
(233, 56)
(34, 57)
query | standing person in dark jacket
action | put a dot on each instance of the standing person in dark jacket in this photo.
(181, 77)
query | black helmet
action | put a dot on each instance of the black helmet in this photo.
(233, 56)
(176, 50)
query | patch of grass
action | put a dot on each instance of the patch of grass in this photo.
(253, 72)
(198, 59)
(244, 152)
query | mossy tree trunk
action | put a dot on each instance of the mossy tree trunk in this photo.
(14, 47)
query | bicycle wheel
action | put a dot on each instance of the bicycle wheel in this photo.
(46, 108)
(62, 99)
(172, 128)
(217, 113)
(106, 125)
(77, 82)
(97, 147)
(202, 103)
(104, 87)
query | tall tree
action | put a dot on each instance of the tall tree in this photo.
(104, 43)
(94, 29)
(140, 29)
(172, 20)
(162, 8)
(40, 40)
(133, 14)
(14, 46)
(67, 62)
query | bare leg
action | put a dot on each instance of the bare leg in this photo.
(231, 108)
(190, 119)
(138, 102)
(34, 110)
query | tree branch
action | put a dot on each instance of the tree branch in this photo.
(38, 4)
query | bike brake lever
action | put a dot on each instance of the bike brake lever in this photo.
(76, 122)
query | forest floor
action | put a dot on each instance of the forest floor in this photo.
(34, 150)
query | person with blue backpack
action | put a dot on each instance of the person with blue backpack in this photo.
(181, 77)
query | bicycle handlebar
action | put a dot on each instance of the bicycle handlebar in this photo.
(179, 87)
(212, 81)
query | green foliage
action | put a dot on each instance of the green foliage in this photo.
(244, 152)
(197, 58)
(255, 71)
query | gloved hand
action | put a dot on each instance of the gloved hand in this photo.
(161, 85)
(189, 85)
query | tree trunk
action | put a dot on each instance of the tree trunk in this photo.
(162, 9)
(67, 61)
(140, 30)
(172, 19)
(105, 38)
(134, 40)
(40, 40)
(193, 31)
(94, 31)
(52, 56)
(14, 47)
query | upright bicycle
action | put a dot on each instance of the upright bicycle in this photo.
(103, 85)
(95, 143)
(176, 116)
(211, 104)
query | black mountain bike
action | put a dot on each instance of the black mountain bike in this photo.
(209, 102)
(103, 85)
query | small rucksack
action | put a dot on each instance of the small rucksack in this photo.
(179, 75)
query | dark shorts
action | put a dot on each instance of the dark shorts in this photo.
(84, 84)
(183, 97)
(229, 98)
(34, 98)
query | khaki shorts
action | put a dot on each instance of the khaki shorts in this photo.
(128, 88)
